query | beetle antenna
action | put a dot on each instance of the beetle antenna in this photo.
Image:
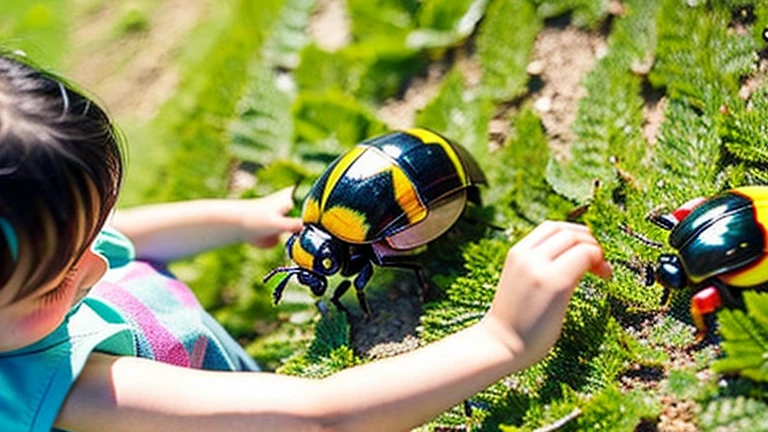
(277, 294)
(646, 271)
(277, 270)
(641, 238)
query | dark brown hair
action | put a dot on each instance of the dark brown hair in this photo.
(61, 167)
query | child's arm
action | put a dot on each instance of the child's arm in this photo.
(394, 394)
(165, 232)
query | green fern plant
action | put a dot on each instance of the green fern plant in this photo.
(735, 405)
(444, 23)
(329, 350)
(504, 44)
(745, 337)
(586, 13)
(608, 126)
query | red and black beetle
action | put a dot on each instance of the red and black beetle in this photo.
(721, 244)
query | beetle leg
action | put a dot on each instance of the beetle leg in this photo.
(337, 293)
(666, 298)
(421, 275)
(703, 304)
(467, 408)
(387, 257)
(361, 280)
(356, 263)
(277, 294)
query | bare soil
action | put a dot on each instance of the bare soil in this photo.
(562, 56)
(135, 73)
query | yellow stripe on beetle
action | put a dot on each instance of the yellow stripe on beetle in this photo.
(345, 223)
(348, 159)
(757, 270)
(742, 278)
(428, 137)
(311, 211)
(300, 256)
(407, 197)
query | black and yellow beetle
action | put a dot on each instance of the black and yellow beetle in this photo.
(375, 204)
(722, 248)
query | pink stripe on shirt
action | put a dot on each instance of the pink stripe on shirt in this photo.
(166, 347)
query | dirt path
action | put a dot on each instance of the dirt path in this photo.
(133, 74)
(562, 56)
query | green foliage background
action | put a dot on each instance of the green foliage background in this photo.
(257, 93)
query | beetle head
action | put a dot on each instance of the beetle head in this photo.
(315, 250)
(315, 282)
(670, 272)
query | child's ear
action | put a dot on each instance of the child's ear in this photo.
(93, 266)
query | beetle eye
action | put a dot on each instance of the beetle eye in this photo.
(327, 263)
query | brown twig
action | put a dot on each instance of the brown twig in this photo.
(560, 422)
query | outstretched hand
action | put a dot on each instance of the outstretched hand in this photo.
(264, 219)
(539, 276)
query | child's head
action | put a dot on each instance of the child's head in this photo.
(60, 172)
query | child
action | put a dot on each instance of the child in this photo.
(95, 337)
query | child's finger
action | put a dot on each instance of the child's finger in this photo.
(545, 230)
(291, 224)
(581, 258)
(266, 242)
(563, 240)
(284, 198)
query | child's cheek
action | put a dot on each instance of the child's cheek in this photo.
(47, 315)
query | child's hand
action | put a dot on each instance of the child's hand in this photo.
(539, 276)
(264, 220)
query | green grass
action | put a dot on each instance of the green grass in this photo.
(36, 27)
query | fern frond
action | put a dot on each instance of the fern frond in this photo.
(586, 13)
(371, 70)
(289, 35)
(328, 123)
(746, 338)
(609, 120)
(744, 130)
(738, 413)
(699, 60)
(504, 45)
(517, 185)
(376, 19)
(329, 351)
(443, 23)
(262, 130)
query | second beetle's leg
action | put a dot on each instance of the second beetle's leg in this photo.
(467, 408)
(703, 306)
(666, 298)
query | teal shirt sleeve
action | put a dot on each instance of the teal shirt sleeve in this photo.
(115, 247)
(35, 380)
